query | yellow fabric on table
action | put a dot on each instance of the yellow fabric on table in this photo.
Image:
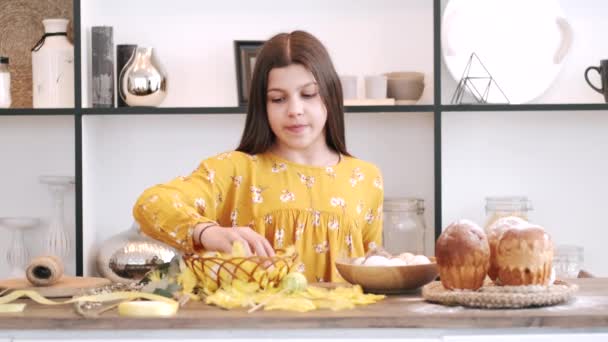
(326, 212)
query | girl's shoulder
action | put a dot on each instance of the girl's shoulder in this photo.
(227, 162)
(235, 157)
(361, 165)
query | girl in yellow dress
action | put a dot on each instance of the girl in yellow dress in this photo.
(291, 181)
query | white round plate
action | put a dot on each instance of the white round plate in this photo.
(521, 43)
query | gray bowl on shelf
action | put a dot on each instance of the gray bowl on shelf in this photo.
(405, 86)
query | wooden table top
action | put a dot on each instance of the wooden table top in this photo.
(588, 310)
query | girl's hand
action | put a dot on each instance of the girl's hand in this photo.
(216, 238)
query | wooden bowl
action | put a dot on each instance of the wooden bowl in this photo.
(388, 279)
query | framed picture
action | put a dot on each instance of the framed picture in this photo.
(245, 53)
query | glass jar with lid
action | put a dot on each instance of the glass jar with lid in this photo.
(5, 83)
(403, 225)
(501, 206)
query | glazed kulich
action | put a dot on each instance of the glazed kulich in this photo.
(494, 233)
(463, 255)
(524, 256)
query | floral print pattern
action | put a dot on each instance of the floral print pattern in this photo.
(312, 208)
(333, 224)
(360, 206)
(279, 167)
(223, 156)
(237, 180)
(349, 242)
(219, 200)
(378, 183)
(256, 194)
(200, 205)
(233, 217)
(299, 230)
(337, 202)
(321, 248)
(356, 177)
(279, 236)
(316, 218)
(369, 216)
(210, 174)
(309, 181)
(287, 196)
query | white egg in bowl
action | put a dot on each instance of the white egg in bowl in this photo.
(380, 274)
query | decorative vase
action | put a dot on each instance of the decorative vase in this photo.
(123, 55)
(142, 82)
(5, 83)
(17, 255)
(58, 241)
(53, 67)
(102, 46)
(128, 256)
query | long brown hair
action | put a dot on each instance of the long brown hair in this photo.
(284, 49)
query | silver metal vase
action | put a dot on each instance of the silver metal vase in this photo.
(128, 256)
(142, 82)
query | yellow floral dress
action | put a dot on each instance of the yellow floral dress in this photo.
(326, 212)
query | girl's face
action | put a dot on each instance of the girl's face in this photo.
(296, 112)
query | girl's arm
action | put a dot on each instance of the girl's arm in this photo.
(170, 212)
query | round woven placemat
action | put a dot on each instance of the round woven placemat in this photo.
(20, 28)
(501, 297)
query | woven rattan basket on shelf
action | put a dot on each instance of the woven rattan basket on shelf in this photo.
(501, 297)
(215, 272)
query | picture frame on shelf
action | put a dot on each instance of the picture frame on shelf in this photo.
(245, 54)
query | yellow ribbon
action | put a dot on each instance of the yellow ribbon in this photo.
(159, 305)
(10, 308)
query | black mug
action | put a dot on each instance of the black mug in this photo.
(603, 71)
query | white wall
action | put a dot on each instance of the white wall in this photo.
(31, 146)
(194, 39)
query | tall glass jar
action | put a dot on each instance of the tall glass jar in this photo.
(404, 229)
(5, 83)
(501, 206)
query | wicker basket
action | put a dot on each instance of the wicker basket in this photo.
(217, 271)
(491, 296)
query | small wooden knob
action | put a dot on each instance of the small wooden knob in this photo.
(44, 270)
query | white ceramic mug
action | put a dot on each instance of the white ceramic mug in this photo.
(375, 87)
(349, 86)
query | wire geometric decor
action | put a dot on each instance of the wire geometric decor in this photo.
(476, 84)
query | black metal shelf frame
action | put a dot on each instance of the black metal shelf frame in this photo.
(438, 109)
(36, 112)
(445, 109)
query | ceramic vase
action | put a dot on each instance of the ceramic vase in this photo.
(53, 67)
(128, 256)
(142, 81)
